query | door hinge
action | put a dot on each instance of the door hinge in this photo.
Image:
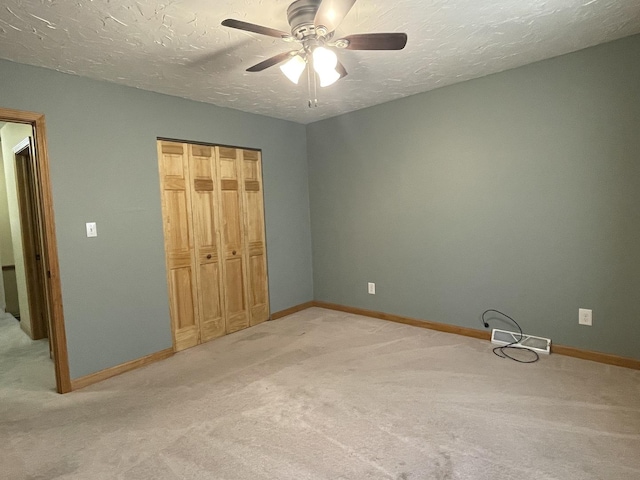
(48, 273)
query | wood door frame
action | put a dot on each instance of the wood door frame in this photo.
(58, 334)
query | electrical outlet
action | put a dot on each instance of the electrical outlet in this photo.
(585, 316)
(372, 288)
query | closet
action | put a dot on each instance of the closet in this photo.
(213, 217)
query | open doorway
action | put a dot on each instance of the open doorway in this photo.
(33, 242)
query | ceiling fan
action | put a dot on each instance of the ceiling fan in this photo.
(313, 24)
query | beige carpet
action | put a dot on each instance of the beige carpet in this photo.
(326, 395)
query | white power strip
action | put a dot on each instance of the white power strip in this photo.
(504, 337)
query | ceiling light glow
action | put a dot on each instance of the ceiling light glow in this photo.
(324, 63)
(294, 68)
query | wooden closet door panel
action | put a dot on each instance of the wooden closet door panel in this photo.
(183, 311)
(174, 179)
(237, 317)
(233, 248)
(255, 237)
(213, 324)
(204, 214)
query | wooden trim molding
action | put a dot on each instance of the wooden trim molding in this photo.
(96, 377)
(600, 357)
(441, 327)
(291, 310)
(58, 334)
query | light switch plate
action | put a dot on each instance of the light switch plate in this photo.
(92, 229)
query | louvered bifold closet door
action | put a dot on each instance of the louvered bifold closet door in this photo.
(178, 235)
(234, 258)
(255, 237)
(202, 167)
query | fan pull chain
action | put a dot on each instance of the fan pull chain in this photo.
(309, 85)
(314, 102)
(315, 89)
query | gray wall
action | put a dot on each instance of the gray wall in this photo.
(518, 191)
(102, 146)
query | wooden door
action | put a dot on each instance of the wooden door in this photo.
(202, 168)
(257, 281)
(42, 259)
(32, 244)
(233, 245)
(173, 162)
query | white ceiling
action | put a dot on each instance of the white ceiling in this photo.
(179, 47)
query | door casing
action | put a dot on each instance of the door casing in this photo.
(53, 297)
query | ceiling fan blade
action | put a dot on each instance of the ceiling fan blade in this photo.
(341, 70)
(251, 27)
(331, 13)
(375, 41)
(270, 62)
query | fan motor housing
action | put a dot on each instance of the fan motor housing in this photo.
(301, 15)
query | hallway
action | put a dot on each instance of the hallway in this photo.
(25, 364)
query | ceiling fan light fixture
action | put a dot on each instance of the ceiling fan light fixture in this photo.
(324, 63)
(293, 68)
(328, 78)
(313, 24)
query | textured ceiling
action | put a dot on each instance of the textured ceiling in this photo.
(179, 48)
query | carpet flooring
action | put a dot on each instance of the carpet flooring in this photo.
(323, 395)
